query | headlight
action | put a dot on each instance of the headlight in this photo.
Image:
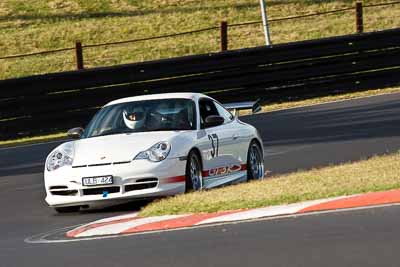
(62, 156)
(156, 153)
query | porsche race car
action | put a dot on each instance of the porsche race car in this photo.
(152, 146)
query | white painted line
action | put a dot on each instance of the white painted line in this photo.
(262, 212)
(107, 220)
(116, 218)
(118, 228)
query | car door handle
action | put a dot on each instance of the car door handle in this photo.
(235, 136)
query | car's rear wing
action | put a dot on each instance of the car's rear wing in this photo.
(237, 106)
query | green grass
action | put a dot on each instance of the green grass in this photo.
(36, 25)
(33, 139)
(379, 173)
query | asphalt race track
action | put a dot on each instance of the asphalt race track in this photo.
(293, 139)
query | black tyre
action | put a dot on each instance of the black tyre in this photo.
(67, 209)
(194, 178)
(255, 162)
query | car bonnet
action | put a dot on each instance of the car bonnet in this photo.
(116, 148)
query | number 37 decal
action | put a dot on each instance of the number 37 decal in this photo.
(214, 144)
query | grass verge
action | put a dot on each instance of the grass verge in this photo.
(378, 173)
(33, 140)
(328, 99)
(265, 108)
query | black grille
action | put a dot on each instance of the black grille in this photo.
(58, 187)
(102, 164)
(143, 180)
(133, 187)
(64, 193)
(100, 190)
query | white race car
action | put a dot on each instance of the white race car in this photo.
(151, 146)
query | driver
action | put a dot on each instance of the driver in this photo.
(134, 119)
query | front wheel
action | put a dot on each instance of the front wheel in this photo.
(194, 178)
(255, 162)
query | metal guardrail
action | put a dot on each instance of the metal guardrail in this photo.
(46, 103)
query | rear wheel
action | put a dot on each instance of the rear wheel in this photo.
(67, 209)
(194, 178)
(255, 162)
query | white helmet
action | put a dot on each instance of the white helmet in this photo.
(134, 119)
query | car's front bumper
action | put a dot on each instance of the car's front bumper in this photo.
(134, 180)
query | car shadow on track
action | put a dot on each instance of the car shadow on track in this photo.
(132, 206)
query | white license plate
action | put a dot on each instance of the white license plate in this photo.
(101, 180)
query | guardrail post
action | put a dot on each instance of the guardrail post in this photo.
(79, 55)
(359, 17)
(224, 35)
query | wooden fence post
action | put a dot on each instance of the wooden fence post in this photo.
(359, 18)
(224, 35)
(79, 55)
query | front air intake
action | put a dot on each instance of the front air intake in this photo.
(141, 184)
(101, 190)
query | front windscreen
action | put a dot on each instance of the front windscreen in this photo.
(143, 116)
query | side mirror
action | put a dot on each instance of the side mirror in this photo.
(75, 133)
(214, 120)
